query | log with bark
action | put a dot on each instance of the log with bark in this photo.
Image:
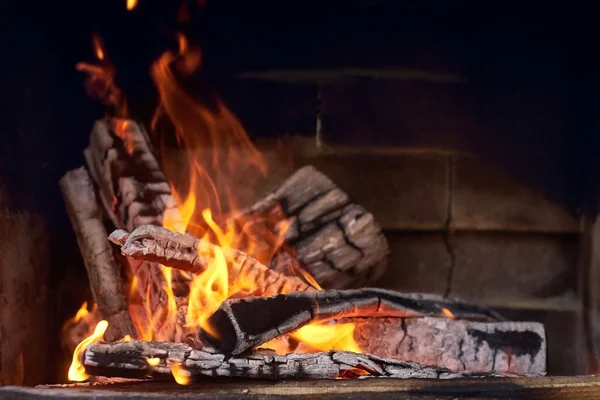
(505, 347)
(134, 191)
(131, 359)
(239, 325)
(335, 239)
(185, 252)
(102, 269)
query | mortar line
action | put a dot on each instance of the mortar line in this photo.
(450, 183)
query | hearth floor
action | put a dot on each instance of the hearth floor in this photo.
(578, 387)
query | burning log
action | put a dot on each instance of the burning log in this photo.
(505, 347)
(102, 269)
(185, 252)
(239, 325)
(131, 359)
(335, 239)
(134, 191)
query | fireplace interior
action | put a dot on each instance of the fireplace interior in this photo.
(467, 137)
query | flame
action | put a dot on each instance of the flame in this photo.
(153, 361)
(447, 313)
(77, 370)
(127, 338)
(221, 168)
(181, 375)
(98, 45)
(81, 314)
(131, 4)
(319, 337)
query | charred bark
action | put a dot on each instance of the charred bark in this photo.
(130, 359)
(240, 325)
(185, 252)
(102, 269)
(134, 191)
(505, 347)
(335, 239)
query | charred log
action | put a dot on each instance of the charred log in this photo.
(185, 252)
(239, 325)
(335, 239)
(505, 347)
(134, 191)
(133, 188)
(130, 359)
(102, 269)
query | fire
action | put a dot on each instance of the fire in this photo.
(131, 4)
(77, 370)
(153, 361)
(319, 337)
(222, 168)
(447, 313)
(98, 46)
(182, 376)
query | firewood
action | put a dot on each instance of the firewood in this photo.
(185, 252)
(102, 270)
(505, 347)
(134, 191)
(130, 359)
(242, 324)
(335, 239)
(133, 188)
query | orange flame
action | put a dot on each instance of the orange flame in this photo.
(222, 169)
(181, 375)
(77, 370)
(447, 313)
(98, 46)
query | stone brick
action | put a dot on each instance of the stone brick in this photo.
(419, 262)
(403, 191)
(503, 267)
(485, 198)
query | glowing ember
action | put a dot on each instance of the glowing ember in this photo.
(181, 376)
(77, 370)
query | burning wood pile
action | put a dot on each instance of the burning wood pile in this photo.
(277, 289)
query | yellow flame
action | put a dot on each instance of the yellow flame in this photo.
(131, 4)
(77, 370)
(328, 337)
(317, 337)
(182, 376)
(127, 338)
(153, 361)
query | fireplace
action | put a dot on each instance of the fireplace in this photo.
(469, 145)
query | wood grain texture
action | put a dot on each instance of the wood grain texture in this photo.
(185, 252)
(335, 239)
(127, 359)
(547, 388)
(102, 269)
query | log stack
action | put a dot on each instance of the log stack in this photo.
(325, 233)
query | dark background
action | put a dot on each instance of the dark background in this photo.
(501, 48)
